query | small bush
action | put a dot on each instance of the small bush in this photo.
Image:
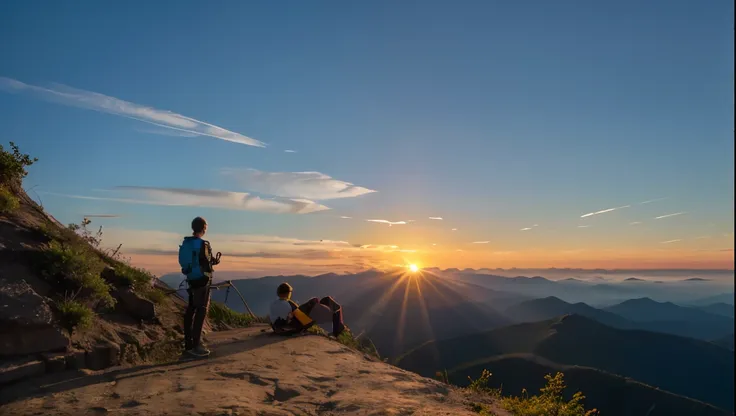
(223, 317)
(74, 315)
(549, 402)
(13, 165)
(8, 202)
(76, 267)
(133, 276)
(155, 295)
(480, 385)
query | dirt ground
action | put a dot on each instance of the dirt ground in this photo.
(250, 372)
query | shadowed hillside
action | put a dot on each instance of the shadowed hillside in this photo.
(688, 367)
(609, 393)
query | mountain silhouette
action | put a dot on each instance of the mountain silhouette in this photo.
(671, 318)
(696, 369)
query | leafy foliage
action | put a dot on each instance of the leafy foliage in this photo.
(480, 385)
(223, 317)
(76, 267)
(8, 201)
(74, 315)
(549, 402)
(13, 165)
(134, 277)
(81, 230)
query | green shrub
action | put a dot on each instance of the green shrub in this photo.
(549, 402)
(155, 295)
(13, 165)
(480, 385)
(76, 267)
(74, 315)
(223, 317)
(133, 276)
(8, 202)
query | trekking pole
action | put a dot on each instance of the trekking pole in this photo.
(229, 284)
(243, 299)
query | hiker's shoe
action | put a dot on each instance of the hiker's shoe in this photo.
(201, 351)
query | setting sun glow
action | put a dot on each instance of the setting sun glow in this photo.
(413, 268)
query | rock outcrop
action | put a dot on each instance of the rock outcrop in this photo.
(26, 321)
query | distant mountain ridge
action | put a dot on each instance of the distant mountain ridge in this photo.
(644, 314)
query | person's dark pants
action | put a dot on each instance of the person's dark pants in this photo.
(199, 302)
(325, 310)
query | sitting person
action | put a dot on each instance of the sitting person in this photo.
(288, 317)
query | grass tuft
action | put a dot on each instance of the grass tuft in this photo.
(74, 315)
(8, 202)
(222, 317)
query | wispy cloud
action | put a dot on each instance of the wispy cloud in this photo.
(102, 216)
(526, 229)
(345, 217)
(98, 102)
(635, 223)
(481, 242)
(310, 185)
(289, 151)
(454, 229)
(670, 215)
(207, 198)
(167, 132)
(436, 218)
(583, 226)
(671, 241)
(652, 200)
(390, 223)
(702, 237)
(603, 211)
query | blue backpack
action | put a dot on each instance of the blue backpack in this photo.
(195, 258)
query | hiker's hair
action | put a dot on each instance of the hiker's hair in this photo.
(198, 225)
(283, 289)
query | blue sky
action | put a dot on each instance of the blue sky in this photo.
(493, 115)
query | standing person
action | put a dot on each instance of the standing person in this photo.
(196, 261)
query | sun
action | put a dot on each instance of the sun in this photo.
(413, 268)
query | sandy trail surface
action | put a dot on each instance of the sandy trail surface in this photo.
(250, 372)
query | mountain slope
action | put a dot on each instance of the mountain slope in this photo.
(609, 393)
(683, 366)
(671, 318)
(249, 373)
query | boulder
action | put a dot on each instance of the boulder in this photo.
(75, 360)
(26, 321)
(17, 370)
(136, 306)
(102, 356)
(20, 305)
(55, 362)
(111, 276)
(31, 340)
